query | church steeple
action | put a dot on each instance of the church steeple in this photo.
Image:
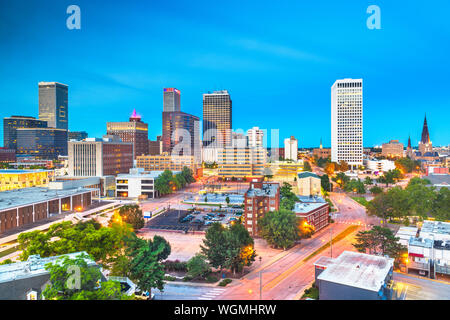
(321, 147)
(425, 134)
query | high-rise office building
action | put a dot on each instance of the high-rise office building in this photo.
(11, 124)
(134, 131)
(181, 134)
(291, 148)
(42, 143)
(95, 157)
(217, 118)
(171, 100)
(53, 104)
(255, 137)
(347, 121)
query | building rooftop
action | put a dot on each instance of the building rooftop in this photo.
(268, 190)
(301, 207)
(307, 174)
(34, 266)
(18, 171)
(420, 242)
(26, 196)
(439, 180)
(358, 270)
(312, 199)
(140, 173)
(324, 262)
(436, 227)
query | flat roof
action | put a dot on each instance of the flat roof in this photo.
(144, 175)
(34, 266)
(324, 261)
(22, 197)
(437, 227)
(18, 171)
(313, 199)
(301, 207)
(358, 270)
(268, 190)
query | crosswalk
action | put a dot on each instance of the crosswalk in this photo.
(211, 294)
(352, 223)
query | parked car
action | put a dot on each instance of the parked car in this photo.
(207, 223)
(221, 215)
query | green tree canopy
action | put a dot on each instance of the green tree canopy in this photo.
(197, 266)
(379, 241)
(280, 228)
(132, 214)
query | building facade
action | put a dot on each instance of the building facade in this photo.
(134, 131)
(255, 137)
(241, 162)
(54, 104)
(171, 100)
(42, 143)
(137, 183)
(11, 124)
(19, 179)
(314, 213)
(291, 149)
(166, 162)
(347, 121)
(155, 147)
(7, 155)
(99, 157)
(217, 119)
(259, 199)
(393, 149)
(308, 184)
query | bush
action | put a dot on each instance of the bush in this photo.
(170, 278)
(211, 278)
(187, 278)
(176, 265)
(224, 282)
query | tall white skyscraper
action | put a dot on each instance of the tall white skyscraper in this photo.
(347, 121)
(291, 148)
(255, 137)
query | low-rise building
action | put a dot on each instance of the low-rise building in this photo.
(27, 279)
(11, 179)
(379, 165)
(308, 184)
(355, 276)
(283, 171)
(137, 183)
(315, 213)
(439, 180)
(429, 250)
(166, 162)
(259, 199)
(26, 206)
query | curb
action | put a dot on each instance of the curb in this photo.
(299, 294)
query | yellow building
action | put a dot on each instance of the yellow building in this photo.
(241, 162)
(166, 162)
(19, 179)
(283, 170)
(308, 184)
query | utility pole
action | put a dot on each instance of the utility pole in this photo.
(331, 241)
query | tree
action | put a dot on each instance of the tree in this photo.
(227, 199)
(330, 168)
(343, 166)
(197, 266)
(441, 205)
(132, 214)
(376, 190)
(325, 183)
(288, 198)
(188, 174)
(165, 183)
(146, 270)
(99, 242)
(230, 248)
(63, 287)
(355, 186)
(279, 228)
(406, 165)
(341, 179)
(379, 241)
(368, 181)
(306, 166)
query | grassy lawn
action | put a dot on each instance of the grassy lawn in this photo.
(8, 251)
(312, 293)
(361, 200)
(339, 237)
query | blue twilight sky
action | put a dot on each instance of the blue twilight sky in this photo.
(278, 59)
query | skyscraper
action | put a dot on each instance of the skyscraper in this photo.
(217, 118)
(11, 124)
(42, 143)
(53, 104)
(134, 131)
(347, 121)
(291, 148)
(171, 100)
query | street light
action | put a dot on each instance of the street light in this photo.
(260, 279)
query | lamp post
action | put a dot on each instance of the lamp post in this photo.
(260, 279)
(331, 241)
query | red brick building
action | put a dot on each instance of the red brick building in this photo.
(260, 198)
(314, 213)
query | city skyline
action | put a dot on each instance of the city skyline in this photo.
(301, 55)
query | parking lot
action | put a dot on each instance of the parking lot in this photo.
(197, 219)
